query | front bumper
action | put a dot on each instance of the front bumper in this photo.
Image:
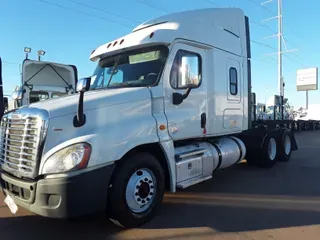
(66, 197)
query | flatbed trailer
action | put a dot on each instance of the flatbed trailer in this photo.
(278, 118)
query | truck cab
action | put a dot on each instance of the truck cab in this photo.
(167, 106)
(42, 80)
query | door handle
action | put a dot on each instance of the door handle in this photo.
(203, 120)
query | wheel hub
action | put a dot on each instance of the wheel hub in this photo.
(272, 149)
(143, 190)
(140, 190)
(287, 145)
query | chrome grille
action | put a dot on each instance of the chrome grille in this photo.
(20, 138)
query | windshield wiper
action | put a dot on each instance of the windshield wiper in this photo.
(113, 70)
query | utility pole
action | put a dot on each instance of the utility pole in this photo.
(280, 52)
(280, 32)
(280, 77)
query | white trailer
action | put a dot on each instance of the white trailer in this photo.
(167, 106)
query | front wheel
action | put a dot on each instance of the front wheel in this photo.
(136, 191)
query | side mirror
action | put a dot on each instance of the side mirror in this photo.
(17, 94)
(6, 102)
(83, 84)
(177, 98)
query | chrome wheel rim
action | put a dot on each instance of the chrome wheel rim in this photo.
(141, 190)
(287, 145)
(272, 149)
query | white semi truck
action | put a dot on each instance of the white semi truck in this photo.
(167, 106)
(42, 80)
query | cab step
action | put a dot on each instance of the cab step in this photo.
(193, 181)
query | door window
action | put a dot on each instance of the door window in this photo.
(186, 70)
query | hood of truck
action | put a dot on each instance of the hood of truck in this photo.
(40, 73)
(92, 100)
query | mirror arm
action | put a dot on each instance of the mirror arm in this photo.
(80, 119)
(80, 114)
(186, 94)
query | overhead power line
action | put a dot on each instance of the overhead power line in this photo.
(263, 44)
(257, 57)
(154, 5)
(102, 10)
(85, 13)
(262, 6)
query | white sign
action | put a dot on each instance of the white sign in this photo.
(307, 79)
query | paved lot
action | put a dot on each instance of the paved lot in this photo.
(238, 203)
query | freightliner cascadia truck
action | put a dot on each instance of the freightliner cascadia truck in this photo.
(167, 106)
(42, 80)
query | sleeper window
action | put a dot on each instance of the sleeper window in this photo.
(186, 70)
(233, 76)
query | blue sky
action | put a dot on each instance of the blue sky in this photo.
(68, 32)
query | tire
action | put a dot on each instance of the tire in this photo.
(136, 192)
(285, 146)
(268, 154)
(260, 157)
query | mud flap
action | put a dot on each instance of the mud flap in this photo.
(294, 145)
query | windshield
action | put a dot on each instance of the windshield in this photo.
(139, 68)
(36, 96)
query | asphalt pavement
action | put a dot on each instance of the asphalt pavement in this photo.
(238, 203)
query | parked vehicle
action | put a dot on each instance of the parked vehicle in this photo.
(3, 102)
(271, 114)
(8, 103)
(167, 106)
(309, 119)
(42, 80)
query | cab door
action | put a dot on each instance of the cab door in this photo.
(185, 73)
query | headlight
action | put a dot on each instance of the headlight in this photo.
(73, 157)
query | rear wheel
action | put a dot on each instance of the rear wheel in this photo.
(136, 191)
(285, 146)
(264, 157)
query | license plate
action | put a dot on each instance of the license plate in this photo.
(11, 204)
